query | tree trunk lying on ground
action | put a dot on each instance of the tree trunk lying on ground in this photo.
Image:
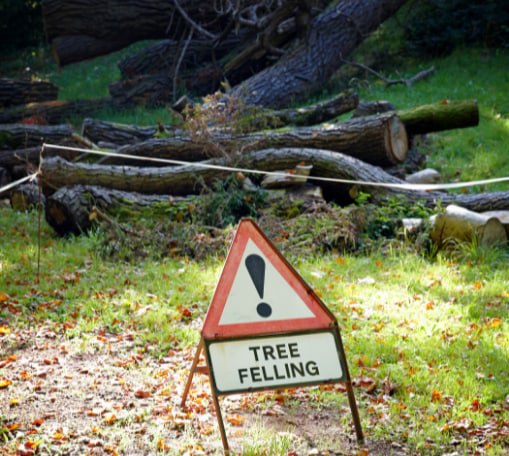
(31, 155)
(331, 37)
(26, 197)
(52, 112)
(21, 91)
(68, 210)
(115, 133)
(19, 136)
(189, 179)
(379, 140)
(446, 115)
(122, 134)
(459, 224)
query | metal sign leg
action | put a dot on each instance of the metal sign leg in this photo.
(192, 372)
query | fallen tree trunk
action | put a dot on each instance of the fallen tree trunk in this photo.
(5, 176)
(26, 197)
(123, 134)
(21, 91)
(115, 133)
(331, 37)
(306, 115)
(379, 140)
(31, 155)
(68, 211)
(51, 112)
(20, 136)
(189, 179)
(446, 115)
(459, 224)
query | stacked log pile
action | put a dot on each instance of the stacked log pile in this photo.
(362, 149)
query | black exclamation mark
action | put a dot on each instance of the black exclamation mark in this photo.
(256, 268)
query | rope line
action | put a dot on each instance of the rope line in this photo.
(19, 182)
(406, 186)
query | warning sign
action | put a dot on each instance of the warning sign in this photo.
(270, 362)
(266, 328)
(260, 293)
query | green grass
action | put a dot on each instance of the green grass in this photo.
(466, 154)
(435, 327)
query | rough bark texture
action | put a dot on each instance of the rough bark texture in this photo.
(26, 197)
(459, 224)
(189, 179)
(68, 210)
(21, 91)
(379, 140)
(31, 155)
(331, 37)
(19, 136)
(115, 133)
(446, 115)
(306, 115)
(51, 112)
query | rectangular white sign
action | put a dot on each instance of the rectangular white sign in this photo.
(276, 361)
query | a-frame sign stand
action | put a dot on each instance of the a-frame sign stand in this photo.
(267, 329)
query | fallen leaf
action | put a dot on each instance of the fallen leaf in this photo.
(37, 422)
(436, 396)
(494, 322)
(4, 383)
(110, 419)
(142, 394)
(4, 330)
(4, 296)
(235, 419)
(14, 426)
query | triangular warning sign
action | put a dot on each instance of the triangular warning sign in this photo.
(260, 293)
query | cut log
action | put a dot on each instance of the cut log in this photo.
(51, 112)
(26, 197)
(459, 224)
(80, 31)
(370, 108)
(379, 140)
(189, 179)
(446, 115)
(68, 211)
(115, 133)
(501, 216)
(31, 155)
(304, 116)
(21, 91)
(19, 136)
(424, 176)
(331, 37)
(5, 176)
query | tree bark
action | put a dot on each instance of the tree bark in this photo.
(446, 115)
(379, 140)
(31, 155)
(115, 133)
(306, 115)
(51, 112)
(83, 30)
(189, 179)
(19, 136)
(68, 210)
(26, 197)
(21, 91)
(331, 37)
(459, 224)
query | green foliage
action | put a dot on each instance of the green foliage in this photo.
(436, 27)
(227, 202)
(382, 220)
(20, 24)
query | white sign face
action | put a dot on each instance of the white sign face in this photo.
(260, 293)
(243, 365)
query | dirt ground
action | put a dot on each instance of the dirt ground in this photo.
(101, 394)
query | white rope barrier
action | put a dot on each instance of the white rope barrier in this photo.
(406, 186)
(18, 182)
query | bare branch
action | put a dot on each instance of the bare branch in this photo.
(193, 24)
